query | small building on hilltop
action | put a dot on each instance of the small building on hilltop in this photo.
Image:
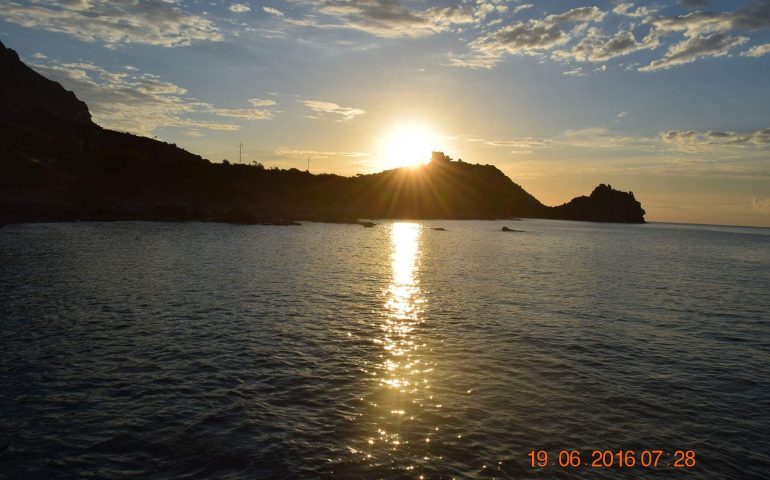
(439, 157)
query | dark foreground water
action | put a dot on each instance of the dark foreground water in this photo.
(159, 350)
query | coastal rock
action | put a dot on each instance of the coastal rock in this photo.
(605, 204)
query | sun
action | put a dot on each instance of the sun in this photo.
(408, 144)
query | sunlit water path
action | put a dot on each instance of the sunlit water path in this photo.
(158, 350)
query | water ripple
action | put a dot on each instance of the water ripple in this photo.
(152, 350)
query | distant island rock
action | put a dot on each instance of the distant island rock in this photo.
(604, 203)
(57, 165)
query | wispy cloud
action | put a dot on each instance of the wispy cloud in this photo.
(532, 37)
(693, 48)
(239, 8)
(115, 22)
(606, 138)
(690, 139)
(140, 103)
(757, 51)
(592, 138)
(583, 34)
(329, 108)
(295, 153)
(240, 113)
(522, 145)
(575, 72)
(596, 46)
(272, 11)
(628, 9)
(259, 102)
(707, 34)
(382, 18)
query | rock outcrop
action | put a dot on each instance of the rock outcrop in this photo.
(605, 204)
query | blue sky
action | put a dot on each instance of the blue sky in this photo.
(669, 99)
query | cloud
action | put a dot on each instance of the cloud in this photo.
(578, 35)
(601, 137)
(679, 136)
(241, 113)
(532, 37)
(484, 8)
(519, 8)
(596, 47)
(378, 17)
(622, 115)
(474, 60)
(522, 37)
(446, 17)
(328, 108)
(130, 100)
(675, 152)
(691, 49)
(521, 145)
(707, 34)
(239, 8)
(575, 72)
(757, 51)
(593, 137)
(492, 30)
(115, 22)
(581, 14)
(754, 16)
(382, 18)
(258, 102)
(693, 24)
(272, 11)
(692, 138)
(294, 153)
(625, 9)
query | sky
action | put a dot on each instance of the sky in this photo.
(669, 99)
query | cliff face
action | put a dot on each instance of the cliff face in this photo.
(24, 90)
(56, 164)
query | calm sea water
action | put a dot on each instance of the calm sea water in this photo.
(162, 350)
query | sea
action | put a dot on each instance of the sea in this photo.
(214, 351)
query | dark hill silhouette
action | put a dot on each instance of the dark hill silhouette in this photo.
(55, 164)
(24, 90)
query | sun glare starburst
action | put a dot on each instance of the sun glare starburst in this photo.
(408, 145)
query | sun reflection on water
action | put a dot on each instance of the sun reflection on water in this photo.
(396, 434)
(403, 308)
